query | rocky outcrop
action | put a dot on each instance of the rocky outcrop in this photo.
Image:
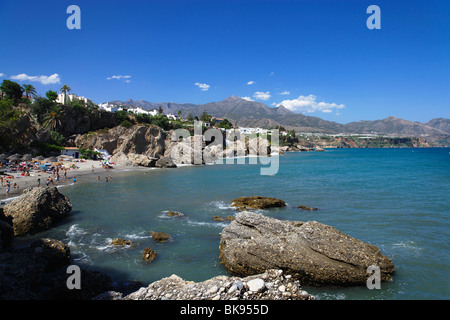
(138, 139)
(257, 202)
(270, 285)
(83, 120)
(6, 230)
(38, 271)
(37, 209)
(142, 160)
(165, 162)
(295, 148)
(314, 253)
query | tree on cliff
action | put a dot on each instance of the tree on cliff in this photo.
(29, 90)
(51, 95)
(53, 119)
(11, 90)
(65, 88)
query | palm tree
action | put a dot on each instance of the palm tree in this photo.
(52, 119)
(65, 88)
(29, 90)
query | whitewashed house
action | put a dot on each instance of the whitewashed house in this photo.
(107, 107)
(67, 98)
(71, 152)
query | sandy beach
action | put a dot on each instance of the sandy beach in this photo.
(86, 169)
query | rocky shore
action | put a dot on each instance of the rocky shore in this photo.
(270, 285)
(268, 259)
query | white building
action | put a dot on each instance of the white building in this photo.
(138, 110)
(253, 130)
(107, 107)
(68, 98)
(171, 116)
(71, 151)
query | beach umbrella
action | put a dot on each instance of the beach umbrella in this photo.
(15, 157)
(2, 157)
(51, 159)
(26, 157)
(39, 158)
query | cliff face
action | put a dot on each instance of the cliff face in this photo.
(83, 120)
(145, 140)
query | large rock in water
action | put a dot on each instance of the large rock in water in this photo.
(312, 252)
(257, 202)
(37, 209)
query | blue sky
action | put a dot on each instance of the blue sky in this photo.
(317, 57)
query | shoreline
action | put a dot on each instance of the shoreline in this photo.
(84, 172)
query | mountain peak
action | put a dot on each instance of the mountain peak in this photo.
(233, 98)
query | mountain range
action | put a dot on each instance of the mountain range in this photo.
(246, 113)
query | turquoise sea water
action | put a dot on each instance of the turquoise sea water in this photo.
(396, 199)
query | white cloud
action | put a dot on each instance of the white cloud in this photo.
(119, 77)
(271, 74)
(251, 82)
(247, 98)
(54, 78)
(309, 104)
(202, 86)
(285, 93)
(2, 74)
(261, 95)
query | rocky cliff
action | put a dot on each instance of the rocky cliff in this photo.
(150, 146)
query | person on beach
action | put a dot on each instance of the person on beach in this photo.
(92, 168)
(74, 179)
(98, 178)
(39, 182)
(16, 186)
(106, 179)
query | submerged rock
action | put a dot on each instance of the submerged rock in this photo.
(175, 214)
(160, 236)
(37, 209)
(257, 202)
(120, 242)
(149, 254)
(312, 252)
(307, 208)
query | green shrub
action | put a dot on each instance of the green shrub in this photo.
(126, 124)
